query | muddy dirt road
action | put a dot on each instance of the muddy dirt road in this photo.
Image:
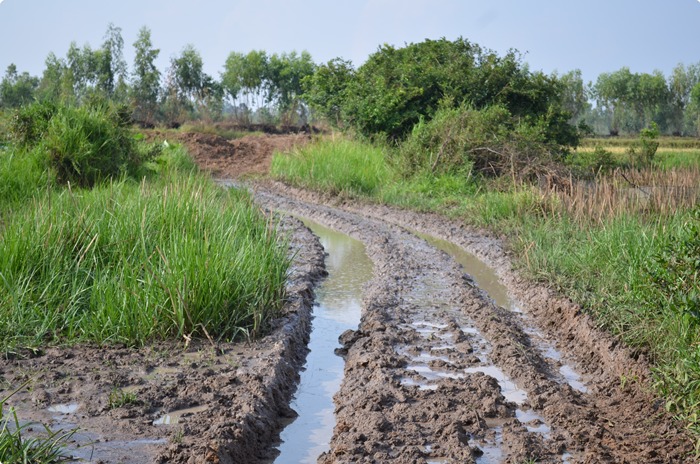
(438, 371)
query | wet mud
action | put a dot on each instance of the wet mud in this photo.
(442, 371)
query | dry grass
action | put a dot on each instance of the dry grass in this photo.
(645, 192)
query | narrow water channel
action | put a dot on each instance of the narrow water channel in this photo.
(337, 309)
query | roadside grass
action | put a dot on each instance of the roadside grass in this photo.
(132, 256)
(600, 242)
(335, 166)
(129, 263)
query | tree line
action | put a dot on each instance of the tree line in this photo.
(625, 102)
(253, 87)
(388, 94)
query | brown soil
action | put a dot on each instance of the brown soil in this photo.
(414, 390)
(232, 159)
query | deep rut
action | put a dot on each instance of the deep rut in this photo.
(438, 373)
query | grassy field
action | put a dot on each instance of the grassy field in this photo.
(150, 253)
(673, 152)
(623, 245)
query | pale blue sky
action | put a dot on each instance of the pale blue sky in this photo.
(595, 36)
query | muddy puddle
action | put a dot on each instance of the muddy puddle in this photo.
(337, 309)
(487, 280)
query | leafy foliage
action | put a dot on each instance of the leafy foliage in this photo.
(397, 87)
(675, 271)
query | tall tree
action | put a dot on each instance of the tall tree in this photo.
(325, 90)
(145, 79)
(680, 85)
(111, 66)
(17, 89)
(575, 95)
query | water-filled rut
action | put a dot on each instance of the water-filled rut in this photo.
(337, 309)
(446, 367)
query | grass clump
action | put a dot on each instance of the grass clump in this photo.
(129, 263)
(336, 167)
(118, 398)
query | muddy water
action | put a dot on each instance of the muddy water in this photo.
(486, 279)
(338, 309)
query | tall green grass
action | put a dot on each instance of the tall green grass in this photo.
(129, 263)
(109, 240)
(337, 167)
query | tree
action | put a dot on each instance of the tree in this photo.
(285, 74)
(325, 89)
(190, 89)
(111, 66)
(145, 80)
(575, 96)
(188, 73)
(398, 87)
(17, 89)
(680, 85)
(232, 77)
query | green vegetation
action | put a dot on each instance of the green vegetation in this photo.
(336, 167)
(118, 398)
(137, 254)
(398, 87)
(17, 447)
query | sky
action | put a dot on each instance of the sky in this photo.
(594, 36)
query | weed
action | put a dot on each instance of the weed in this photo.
(118, 398)
(16, 446)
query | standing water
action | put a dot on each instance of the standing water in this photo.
(337, 310)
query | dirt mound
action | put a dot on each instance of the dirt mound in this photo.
(232, 159)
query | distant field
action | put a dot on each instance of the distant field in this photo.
(673, 152)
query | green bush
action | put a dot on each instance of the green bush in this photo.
(598, 161)
(489, 141)
(675, 272)
(82, 145)
(30, 123)
(87, 145)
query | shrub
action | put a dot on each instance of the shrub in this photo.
(598, 161)
(82, 145)
(89, 144)
(642, 153)
(488, 141)
(30, 123)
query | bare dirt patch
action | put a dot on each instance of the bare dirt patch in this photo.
(232, 159)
